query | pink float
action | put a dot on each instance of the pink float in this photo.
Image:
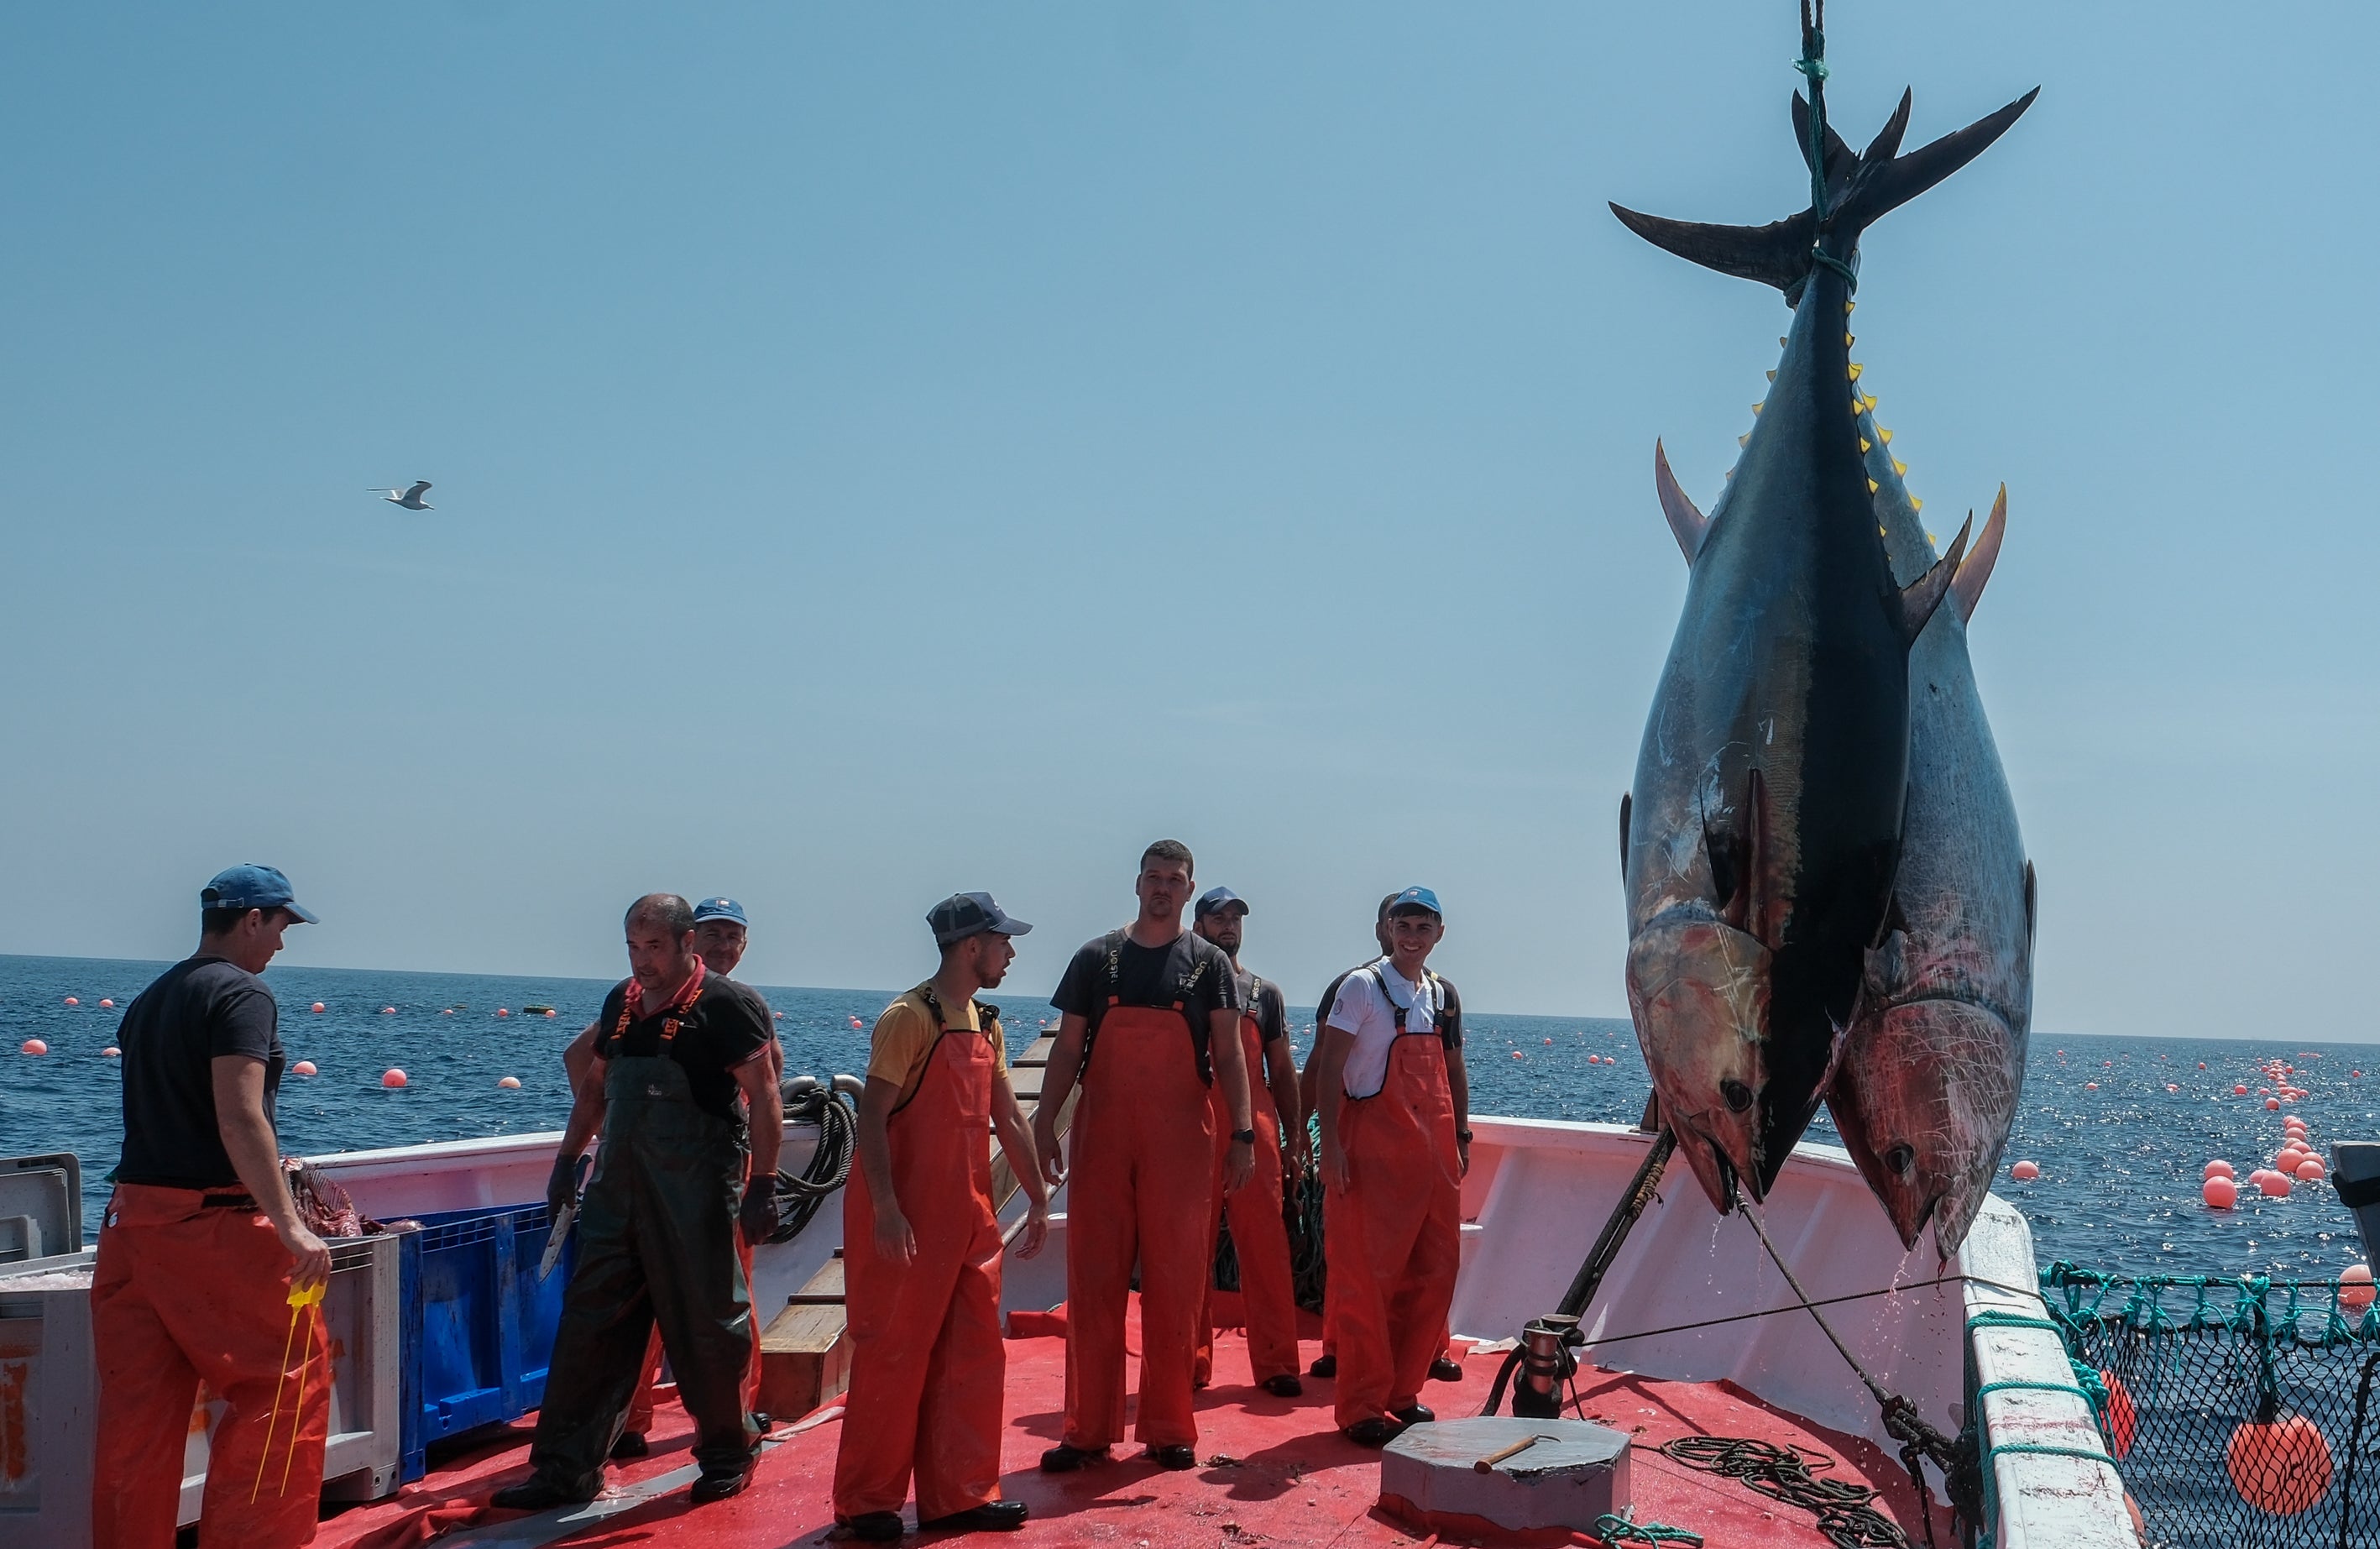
(2311, 1170)
(2217, 1168)
(509, 1083)
(392, 1078)
(2220, 1192)
(303, 1068)
(318, 1008)
(503, 1011)
(2276, 1185)
(2355, 1288)
(2025, 1172)
(106, 1004)
(111, 1052)
(2272, 1104)
(34, 1046)
(71, 1001)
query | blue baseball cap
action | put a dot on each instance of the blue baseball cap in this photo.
(720, 908)
(1215, 898)
(1416, 897)
(970, 914)
(247, 888)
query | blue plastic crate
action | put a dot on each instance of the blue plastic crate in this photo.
(479, 1325)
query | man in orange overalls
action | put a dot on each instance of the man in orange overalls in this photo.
(921, 1245)
(1259, 1236)
(1394, 1150)
(1149, 1019)
(202, 1248)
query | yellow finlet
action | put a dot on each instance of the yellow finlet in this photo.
(1871, 401)
(1755, 407)
(1884, 435)
(1916, 504)
(1848, 306)
(1871, 486)
(1772, 376)
(1856, 369)
(1743, 440)
(1780, 341)
(1901, 468)
(1862, 444)
(1847, 341)
(1931, 539)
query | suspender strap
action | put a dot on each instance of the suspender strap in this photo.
(632, 998)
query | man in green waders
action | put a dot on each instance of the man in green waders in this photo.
(657, 1227)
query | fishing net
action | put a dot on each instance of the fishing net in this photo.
(2240, 1414)
(1301, 1212)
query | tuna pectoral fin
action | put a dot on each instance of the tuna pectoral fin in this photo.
(1776, 254)
(1977, 569)
(1626, 800)
(1922, 596)
(1686, 524)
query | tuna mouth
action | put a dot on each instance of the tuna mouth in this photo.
(1699, 989)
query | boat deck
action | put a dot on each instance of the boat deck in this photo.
(1275, 1473)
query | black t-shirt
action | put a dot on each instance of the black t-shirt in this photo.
(1153, 976)
(727, 1024)
(1453, 1035)
(199, 1010)
(1262, 997)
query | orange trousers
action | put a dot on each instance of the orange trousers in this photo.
(1140, 1192)
(1268, 1284)
(183, 1295)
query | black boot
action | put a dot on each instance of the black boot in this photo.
(1065, 1457)
(535, 1494)
(876, 1527)
(991, 1516)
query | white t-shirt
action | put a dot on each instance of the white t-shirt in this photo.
(1360, 1010)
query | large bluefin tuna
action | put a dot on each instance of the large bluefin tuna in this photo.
(1764, 828)
(1933, 1064)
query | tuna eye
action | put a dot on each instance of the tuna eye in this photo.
(1738, 1095)
(1900, 1158)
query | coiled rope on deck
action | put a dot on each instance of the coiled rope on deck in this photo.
(1846, 1512)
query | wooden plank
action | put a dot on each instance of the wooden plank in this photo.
(806, 1351)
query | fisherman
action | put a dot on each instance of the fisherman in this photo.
(922, 1244)
(721, 933)
(1267, 1290)
(1149, 1019)
(656, 1225)
(1395, 1145)
(204, 1259)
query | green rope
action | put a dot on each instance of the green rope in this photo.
(1623, 1527)
(1813, 66)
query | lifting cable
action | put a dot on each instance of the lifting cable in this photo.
(830, 1166)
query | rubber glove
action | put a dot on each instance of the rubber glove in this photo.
(759, 1216)
(562, 1186)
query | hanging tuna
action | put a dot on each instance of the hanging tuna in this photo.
(1764, 829)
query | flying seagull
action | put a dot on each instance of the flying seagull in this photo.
(410, 499)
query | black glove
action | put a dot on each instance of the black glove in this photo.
(561, 1188)
(759, 1216)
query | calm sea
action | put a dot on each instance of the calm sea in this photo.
(2120, 1165)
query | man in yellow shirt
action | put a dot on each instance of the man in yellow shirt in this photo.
(921, 1245)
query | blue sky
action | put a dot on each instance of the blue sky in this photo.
(885, 450)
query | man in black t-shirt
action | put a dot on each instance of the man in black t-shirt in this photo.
(681, 1071)
(204, 1266)
(1148, 1019)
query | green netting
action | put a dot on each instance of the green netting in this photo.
(2241, 1413)
(1301, 1213)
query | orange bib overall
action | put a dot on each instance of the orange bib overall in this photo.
(186, 1291)
(927, 1362)
(1392, 1238)
(1267, 1294)
(1140, 1190)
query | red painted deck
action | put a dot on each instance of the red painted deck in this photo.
(1275, 1474)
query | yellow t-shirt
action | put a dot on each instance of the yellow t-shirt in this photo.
(906, 1036)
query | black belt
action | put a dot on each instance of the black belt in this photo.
(226, 1201)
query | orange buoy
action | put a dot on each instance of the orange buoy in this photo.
(106, 1004)
(71, 1001)
(855, 1022)
(2355, 1288)
(2170, 1087)
(2220, 1192)
(111, 1052)
(303, 1068)
(392, 1078)
(2311, 1170)
(2281, 1466)
(447, 1012)
(1550, 1042)
(2123, 1417)
(2025, 1172)
(2217, 1166)
(781, 1017)
(2201, 1065)
(2090, 1086)
(388, 1010)
(503, 1011)
(34, 1046)
(2272, 1103)
(1517, 1055)
(509, 1083)
(2239, 1092)
(318, 1008)
(2275, 1185)
(549, 1010)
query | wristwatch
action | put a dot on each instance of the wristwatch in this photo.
(1245, 1137)
(1463, 1135)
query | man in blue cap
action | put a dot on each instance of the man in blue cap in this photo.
(1395, 1145)
(202, 1248)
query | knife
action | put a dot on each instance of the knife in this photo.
(563, 1221)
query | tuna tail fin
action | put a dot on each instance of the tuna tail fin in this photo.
(1687, 524)
(1860, 192)
(1922, 596)
(1967, 589)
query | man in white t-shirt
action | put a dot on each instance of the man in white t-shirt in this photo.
(1395, 1146)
